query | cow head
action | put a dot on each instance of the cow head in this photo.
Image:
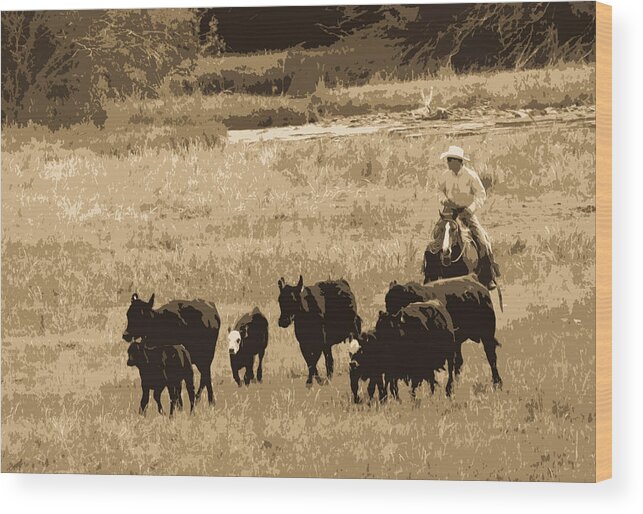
(289, 301)
(136, 354)
(234, 341)
(139, 317)
(388, 325)
(363, 340)
(399, 296)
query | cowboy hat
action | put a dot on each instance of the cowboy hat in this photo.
(456, 152)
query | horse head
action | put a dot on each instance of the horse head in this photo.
(448, 230)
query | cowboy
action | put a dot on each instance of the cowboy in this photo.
(461, 194)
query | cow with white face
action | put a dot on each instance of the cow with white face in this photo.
(248, 339)
(234, 342)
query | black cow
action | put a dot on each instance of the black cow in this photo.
(195, 324)
(161, 367)
(469, 304)
(421, 339)
(324, 314)
(249, 338)
(368, 362)
(409, 345)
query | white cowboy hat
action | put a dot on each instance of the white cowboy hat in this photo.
(455, 152)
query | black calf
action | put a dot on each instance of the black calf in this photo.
(161, 367)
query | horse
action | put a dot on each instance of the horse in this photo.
(452, 252)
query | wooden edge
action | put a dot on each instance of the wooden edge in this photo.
(603, 241)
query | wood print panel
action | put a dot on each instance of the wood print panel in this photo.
(340, 241)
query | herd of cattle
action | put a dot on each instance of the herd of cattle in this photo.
(421, 332)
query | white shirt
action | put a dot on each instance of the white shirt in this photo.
(463, 189)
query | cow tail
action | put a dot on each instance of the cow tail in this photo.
(500, 299)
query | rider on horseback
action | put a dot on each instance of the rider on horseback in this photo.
(461, 194)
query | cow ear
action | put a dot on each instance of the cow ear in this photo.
(300, 284)
(394, 283)
(150, 302)
(134, 297)
(381, 314)
(281, 283)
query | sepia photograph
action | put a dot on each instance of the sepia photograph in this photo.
(317, 241)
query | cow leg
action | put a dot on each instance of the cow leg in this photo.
(189, 385)
(328, 356)
(205, 382)
(381, 389)
(450, 366)
(312, 371)
(237, 378)
(260, 367)
(179, 400)
(458, 361)
(392, 383)
(311, 360)
(201, 387)
(490, 344)
(157, 399)
(371, 389)
(172, 390)
(145, 398)
(249, 376)
(432, 381)
(209, 387)
(415, 382)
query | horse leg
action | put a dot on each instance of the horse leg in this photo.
(431, 267)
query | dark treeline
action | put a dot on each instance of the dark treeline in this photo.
(58, 67)
(465, 36)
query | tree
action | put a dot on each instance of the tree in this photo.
(59, 66)
(44, 75)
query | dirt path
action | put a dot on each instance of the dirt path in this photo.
(416, 124)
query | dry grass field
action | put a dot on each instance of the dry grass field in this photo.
(83, 229)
